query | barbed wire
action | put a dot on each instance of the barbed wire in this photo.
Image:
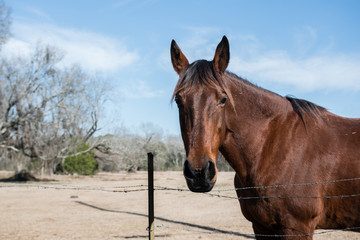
(259, 197)
(124, 189)
(144, 187)
(262, 187)
(127, 189)
(283, 197)
(289, 185)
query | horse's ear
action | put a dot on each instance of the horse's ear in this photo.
(222, 55)
(178, 59)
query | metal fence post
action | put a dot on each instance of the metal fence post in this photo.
(151, 195)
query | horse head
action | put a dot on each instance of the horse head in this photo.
(202, 99)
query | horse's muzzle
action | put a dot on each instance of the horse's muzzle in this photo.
(200, 180)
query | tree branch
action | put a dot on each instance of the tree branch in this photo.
(9, 147)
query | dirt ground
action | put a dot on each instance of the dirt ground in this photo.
(77, 207)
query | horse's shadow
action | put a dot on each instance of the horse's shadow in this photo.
(211, 230)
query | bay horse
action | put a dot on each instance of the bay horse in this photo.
(269, 140)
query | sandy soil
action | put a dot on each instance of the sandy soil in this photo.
(82, 213)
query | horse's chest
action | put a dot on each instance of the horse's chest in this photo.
(259, 211)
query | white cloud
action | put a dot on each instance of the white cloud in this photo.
(200, 42)
(92, 51)
(305, 38)
(138, 89)
(39, 13)
(16, 47)
(309, 74)
(323, 70)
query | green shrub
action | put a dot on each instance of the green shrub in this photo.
(83, 164)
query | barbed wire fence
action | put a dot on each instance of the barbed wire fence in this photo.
(218, 193)
(144, 187)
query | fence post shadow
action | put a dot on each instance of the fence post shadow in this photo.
(211, 230)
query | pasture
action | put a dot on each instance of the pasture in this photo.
(79, 207)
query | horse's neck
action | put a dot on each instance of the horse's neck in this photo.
(249, 126)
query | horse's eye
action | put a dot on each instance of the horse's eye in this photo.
(178, 101)
(222, 101)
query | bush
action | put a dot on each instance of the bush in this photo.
(83, 164)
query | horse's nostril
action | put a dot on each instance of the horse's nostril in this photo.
(212, 170)
(189, 171)
(206, 167)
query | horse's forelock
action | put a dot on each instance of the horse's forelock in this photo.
(201, 73)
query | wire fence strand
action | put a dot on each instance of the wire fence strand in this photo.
(144, 187)
(124, 189)
(290, 185)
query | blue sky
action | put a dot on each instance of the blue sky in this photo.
(308, 49)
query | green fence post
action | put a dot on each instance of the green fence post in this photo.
(151, 195)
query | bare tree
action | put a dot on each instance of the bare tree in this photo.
(45, 109)
(129, 150)
(4, 22)
(175, 152)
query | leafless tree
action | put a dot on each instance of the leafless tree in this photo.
(175, 152)
(129, 149)
(4, 22)
(46, 109)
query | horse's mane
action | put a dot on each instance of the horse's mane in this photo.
(302, 106)
(202, 72)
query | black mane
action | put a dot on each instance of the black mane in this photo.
(302, 106)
